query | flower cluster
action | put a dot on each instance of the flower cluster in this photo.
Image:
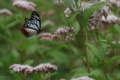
(62, 79)
(45, 36)
(5, 11)
(21, 68)
(46, 67)
(82, 78)
(66, 33)
(110, 19)
(28, 6)
(113, 2)
(67, 12)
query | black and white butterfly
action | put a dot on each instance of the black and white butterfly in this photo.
(32, 25)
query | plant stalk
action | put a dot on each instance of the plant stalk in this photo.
(84, 45)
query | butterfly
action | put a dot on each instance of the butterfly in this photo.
(32, 25)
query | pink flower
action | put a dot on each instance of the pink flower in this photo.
(82, 78)
(113, 2)
(66, 33)
(110, 19)
(28, 69)
(51, 12)
(62, 79)
(118, 3)
(18, 0)
(29, 6)
(21, 68)
(46, 67)
(16, 67)
(67, 12)
(45, 36)
(5, 11)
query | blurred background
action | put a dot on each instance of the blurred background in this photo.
(15, 48)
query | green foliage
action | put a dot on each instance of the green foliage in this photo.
(89, 11)
(82, 71)
(71, 4)
(70, 57)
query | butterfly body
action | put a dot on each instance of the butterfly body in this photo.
(32, 25)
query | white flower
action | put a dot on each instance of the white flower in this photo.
(67, 12)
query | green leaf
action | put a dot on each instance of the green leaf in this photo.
(93, 49)
(89, 11)
(64, 18)
(16, 75)
(112, 60)
(72, 18)
(116, 44)
(10, 25)
(76, 1)
(82, 71)
(60, 57)
(76, 26)
(96, 72)
(29, 62)
(19, 18)
(1, 25)
(3, 78)
(71, 4)
(8, 39)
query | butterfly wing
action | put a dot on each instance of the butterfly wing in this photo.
(32, 25)
(36, 18)
(34, 22)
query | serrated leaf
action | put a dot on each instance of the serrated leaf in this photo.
(89, 11)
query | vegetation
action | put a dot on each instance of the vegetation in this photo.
(83, 40)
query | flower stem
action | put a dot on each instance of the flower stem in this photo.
(103, 66)
(75, 53)
(81, 56)
(117, 66)
(84, 41)
(49, 76)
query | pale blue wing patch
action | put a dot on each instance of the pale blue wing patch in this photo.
(33, 22)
